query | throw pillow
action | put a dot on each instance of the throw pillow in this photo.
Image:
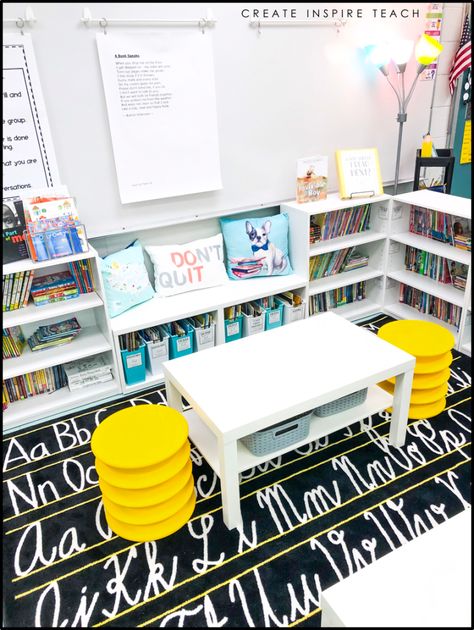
(256, 247)
(126, 280)
(195, 265)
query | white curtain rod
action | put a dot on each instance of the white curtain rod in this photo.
(29, 18)
(260, 23)
(103, 21)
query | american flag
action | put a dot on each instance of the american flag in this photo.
(462, 58)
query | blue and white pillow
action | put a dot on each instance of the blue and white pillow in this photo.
(256, 247)
(126, 280)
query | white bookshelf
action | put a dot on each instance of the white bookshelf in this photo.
(400, 238)
(94, 338)
(371, 242)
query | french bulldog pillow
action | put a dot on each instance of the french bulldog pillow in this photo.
(256, 247)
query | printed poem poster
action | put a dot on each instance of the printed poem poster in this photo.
(29, 161)
(160, 95)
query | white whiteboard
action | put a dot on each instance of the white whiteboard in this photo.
(279, 98)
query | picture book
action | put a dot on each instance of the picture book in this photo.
(311, 178)
(358, 172)
(37, 210)
(14, 247)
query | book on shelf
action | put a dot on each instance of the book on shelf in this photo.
(51, 335)
(430, 304)
(13, 342)
(16, 289)
(461, 233)
(14, 247)
(82, 273)
(358, 172)
(43, 381)
(311, 178)
(86, 372)
(329, 225)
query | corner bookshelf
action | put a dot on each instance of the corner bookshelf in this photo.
(400, 238)
(95, 338)
(370, 242)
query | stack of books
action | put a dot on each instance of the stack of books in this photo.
(54, 287)
(245, 267)
(16, 289)
(86, 372)
(355, 260)
(54, 335)
(13, 342)
(463, 241)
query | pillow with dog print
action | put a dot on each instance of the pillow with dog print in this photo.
(195, 265)
(256, 247)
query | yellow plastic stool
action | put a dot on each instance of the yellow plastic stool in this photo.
(145, 472)
(431, 344)
(417, 337)
(428, 381)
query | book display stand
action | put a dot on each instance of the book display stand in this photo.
(444, 159)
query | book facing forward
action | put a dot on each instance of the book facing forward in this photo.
(311, 178)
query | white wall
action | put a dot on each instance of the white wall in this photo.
(279, 97)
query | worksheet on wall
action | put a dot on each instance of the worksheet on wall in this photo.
(160, 95)
(29, 160)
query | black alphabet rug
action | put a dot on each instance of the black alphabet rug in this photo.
(311, 518)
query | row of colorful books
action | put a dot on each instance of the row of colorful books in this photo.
(332, 263)
(435, 267)
(16, 289)
(431, 305)
(53, 335)
(439, 226)
(339, 223)
(13, 342)
(34, 383)
(322, 302)
(86, 372)
(82, 273)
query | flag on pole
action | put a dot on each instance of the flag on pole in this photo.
(462, 58)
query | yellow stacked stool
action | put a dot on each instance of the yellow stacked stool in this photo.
(431, 344)
(145, 472)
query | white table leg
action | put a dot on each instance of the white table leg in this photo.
(401, 404)
(229, 484)
(173, 397)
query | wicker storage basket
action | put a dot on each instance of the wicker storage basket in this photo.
(279, 435)
(342, 404)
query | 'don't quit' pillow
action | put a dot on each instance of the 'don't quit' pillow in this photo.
(256, 247)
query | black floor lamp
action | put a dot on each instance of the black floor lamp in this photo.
(427, 50)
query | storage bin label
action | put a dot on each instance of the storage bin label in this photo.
(159, 350)
(205, 335)
(233, 329)
(184, 343)
(256, 323)
(134, 360)
(273, 317)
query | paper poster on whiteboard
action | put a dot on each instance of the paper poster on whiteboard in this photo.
(29, 161)
(161, 104)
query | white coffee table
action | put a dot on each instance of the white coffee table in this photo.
(243, 386)
(425, 583)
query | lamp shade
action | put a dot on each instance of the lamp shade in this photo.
(427, 49)
(378, 54)
(401, 51)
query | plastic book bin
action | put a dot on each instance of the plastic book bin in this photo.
(204, 337)
(252, 325)
(292, 313)
(273, 317)
(155, 353)
(279, 435)
(180, 345)
(134, 365)
(233, 328)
